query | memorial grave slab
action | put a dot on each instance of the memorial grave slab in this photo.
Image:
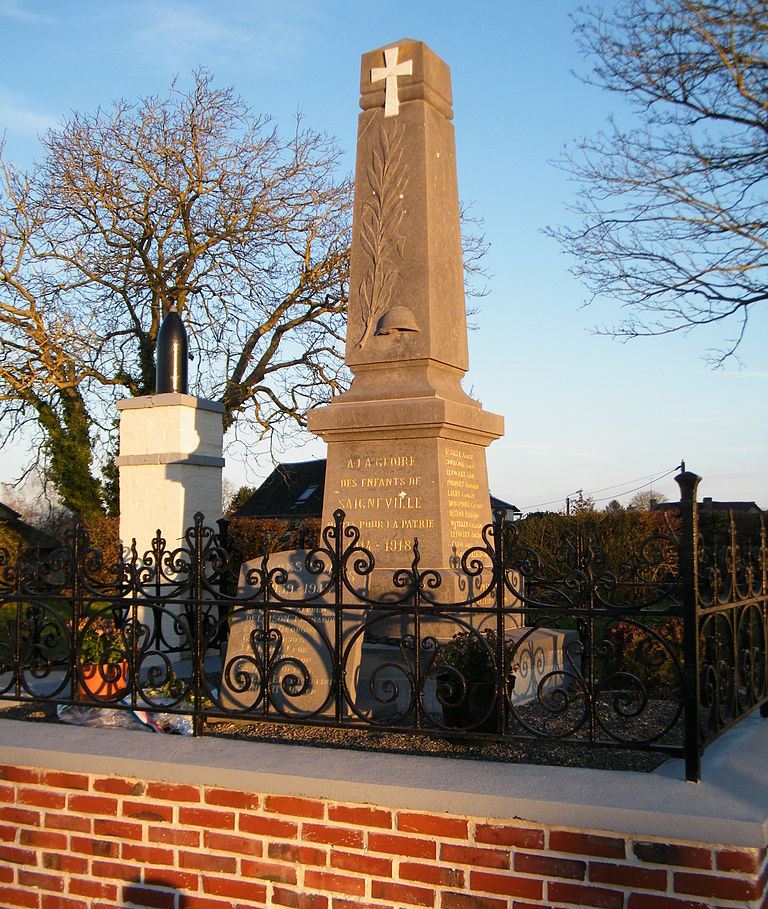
(289, 643)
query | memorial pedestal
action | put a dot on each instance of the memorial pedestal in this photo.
(170, 466)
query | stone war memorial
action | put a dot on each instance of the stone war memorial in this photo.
(406, 445)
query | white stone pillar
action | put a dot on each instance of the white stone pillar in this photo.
(170, 466)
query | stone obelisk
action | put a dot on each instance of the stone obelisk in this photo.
(406, 445)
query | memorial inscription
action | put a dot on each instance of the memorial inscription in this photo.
(467, 505)
(389, 486)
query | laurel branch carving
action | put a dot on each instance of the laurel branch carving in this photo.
(382, 214)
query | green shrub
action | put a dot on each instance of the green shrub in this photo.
(101, 640)
(639, 653)
(473, 654)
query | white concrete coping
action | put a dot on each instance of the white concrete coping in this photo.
(171, 399)
(729, 806)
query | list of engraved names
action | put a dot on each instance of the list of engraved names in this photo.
(464, 503)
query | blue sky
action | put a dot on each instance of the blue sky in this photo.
(582, 411)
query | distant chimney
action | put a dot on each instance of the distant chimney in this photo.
(707, 501)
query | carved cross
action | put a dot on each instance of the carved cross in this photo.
(390, 71)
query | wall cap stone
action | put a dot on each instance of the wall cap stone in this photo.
(729, 806)
(171, 399)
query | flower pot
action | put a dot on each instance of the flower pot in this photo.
(478, 712)
(103, 681)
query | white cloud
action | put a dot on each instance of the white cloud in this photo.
(748, 374)
(18, 116)
(20, 11)
(179, 26)
(188, 32)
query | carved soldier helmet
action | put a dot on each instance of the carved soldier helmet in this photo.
(397, 319)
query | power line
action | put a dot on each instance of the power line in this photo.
(650, 478)
(637, 488)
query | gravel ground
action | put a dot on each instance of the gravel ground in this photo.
(555, 753)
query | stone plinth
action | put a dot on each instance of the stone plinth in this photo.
(170, 465)
(432, 488)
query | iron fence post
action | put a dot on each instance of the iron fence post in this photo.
(587, 571)
(221, 636)
(198, 650)
(733, 555)
(418, 681)
(133, 589)
(338, 567)
(499, 573)
(77, 603)
(223, 542)
(158, 547)
(18, 588)
(689, 584)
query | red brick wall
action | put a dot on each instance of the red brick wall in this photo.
(78, 840)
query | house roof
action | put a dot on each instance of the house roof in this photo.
(708, 504)
(32, 536)
(8, 514)
(296, 491)
(500, 503)
(290, 491)
(744, 507)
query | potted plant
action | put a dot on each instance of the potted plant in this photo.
(469, 681)
(102, 658)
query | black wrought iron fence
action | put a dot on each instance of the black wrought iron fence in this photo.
(657, 643)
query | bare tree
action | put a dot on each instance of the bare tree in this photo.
(642, 501)
(44, 361)
(192, 203)
(673, 212)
